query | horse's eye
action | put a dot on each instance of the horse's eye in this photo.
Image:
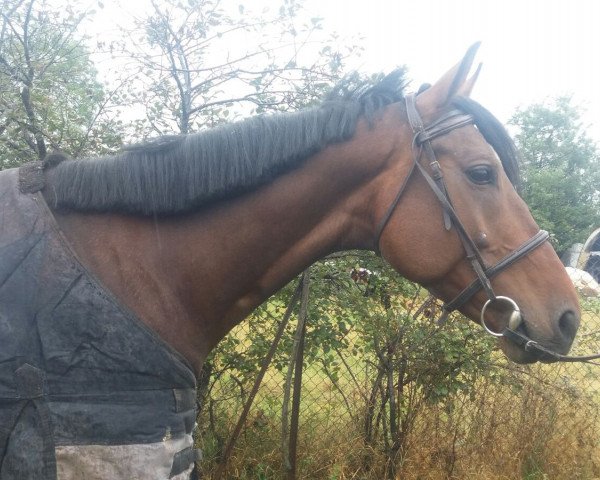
(481, 174)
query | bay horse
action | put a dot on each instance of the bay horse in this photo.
(187, 235)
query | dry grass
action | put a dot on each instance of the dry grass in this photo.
(538, 432)
(533, 434)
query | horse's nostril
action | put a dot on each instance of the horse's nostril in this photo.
(568, 325)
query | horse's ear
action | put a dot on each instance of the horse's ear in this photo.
(467, 87)
(452, 83)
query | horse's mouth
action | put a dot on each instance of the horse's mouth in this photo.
(518, 354)
(522, 354)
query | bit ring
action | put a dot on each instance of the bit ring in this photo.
(515, 317)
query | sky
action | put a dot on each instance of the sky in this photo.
(532, 50)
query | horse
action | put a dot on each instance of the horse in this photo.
(178, 239)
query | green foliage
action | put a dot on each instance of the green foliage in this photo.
(368, 324)
(561, 170)
(50, 98)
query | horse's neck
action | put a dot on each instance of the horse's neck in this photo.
(193, 278)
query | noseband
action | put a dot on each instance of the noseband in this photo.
(421, 143)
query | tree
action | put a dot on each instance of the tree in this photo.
(50, 98)
(199, 65)
(561, 170)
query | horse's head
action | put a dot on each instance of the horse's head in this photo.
(458, 212)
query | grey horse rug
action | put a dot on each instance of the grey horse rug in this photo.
(86, 390)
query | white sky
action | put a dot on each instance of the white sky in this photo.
(532, 49)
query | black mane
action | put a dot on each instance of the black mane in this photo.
(181, 173)
(178, 174)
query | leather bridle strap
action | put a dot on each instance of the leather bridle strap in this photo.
(463, 297)
(530, 345)
(422, 135)
(422, 144)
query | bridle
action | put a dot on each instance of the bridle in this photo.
(421, 143)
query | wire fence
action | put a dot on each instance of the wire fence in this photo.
(388, 394)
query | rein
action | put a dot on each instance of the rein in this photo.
(532, 346)
(421, 143)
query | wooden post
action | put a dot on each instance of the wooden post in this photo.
(238, 428)
(290, 441)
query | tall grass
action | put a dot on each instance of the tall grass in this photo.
(538, 428)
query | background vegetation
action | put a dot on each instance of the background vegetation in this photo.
(387, 394)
